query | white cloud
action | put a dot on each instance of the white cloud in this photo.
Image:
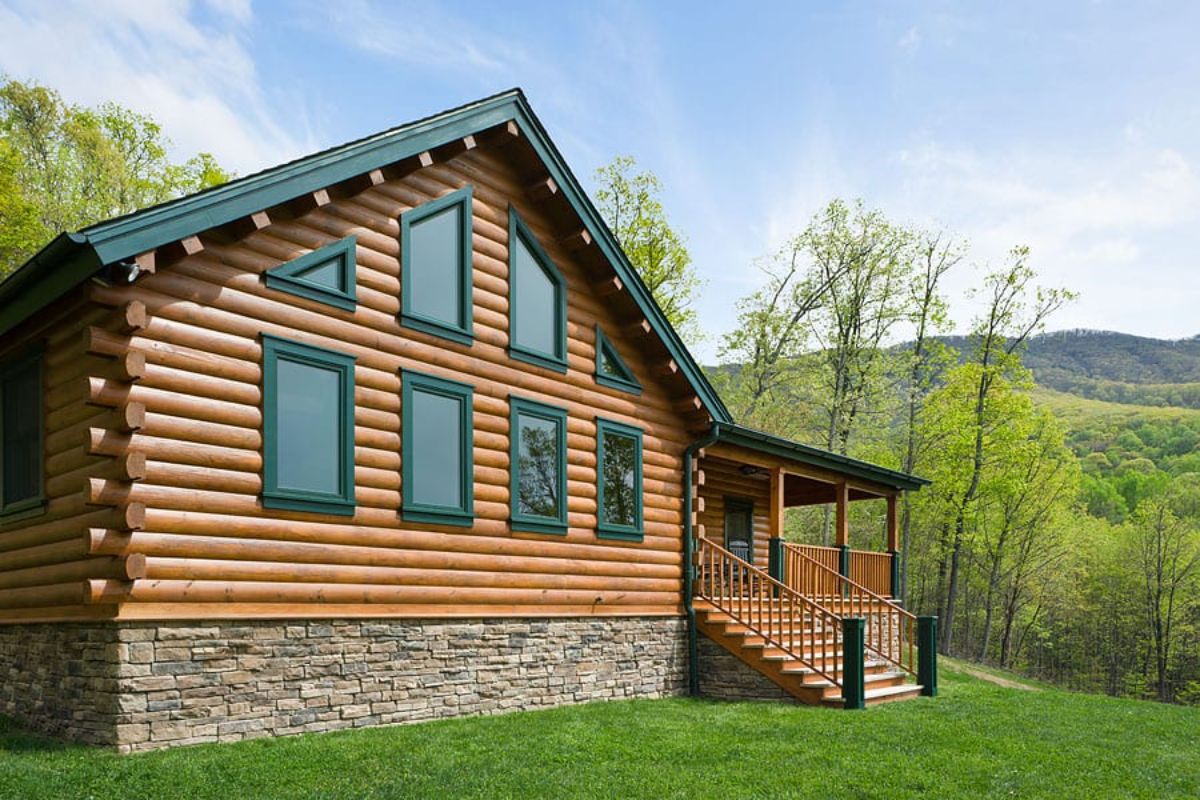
(197, 79)
(910, 42)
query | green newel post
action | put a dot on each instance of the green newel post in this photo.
(854, 689)
(896, 576)
(844, 566)
(927, 655)
(775, 560)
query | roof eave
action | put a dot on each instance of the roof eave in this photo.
(732, 433)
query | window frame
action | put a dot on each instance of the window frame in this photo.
(409, 318)
(625, 384)
(518, 230)
(518, 407)
(281, 498)
(610, 530)
(29, 506)
(284, 278)
(411, 510)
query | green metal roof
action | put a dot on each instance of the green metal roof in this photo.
(732, 433)
(74, 257)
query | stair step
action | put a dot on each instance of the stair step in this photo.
(885, 694)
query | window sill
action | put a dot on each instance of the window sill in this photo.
(526, 525)
(341, 508)
(622, 534)
(537, 359)
(620, 385)
(346, 302)
(26, 509)
(439, 329)
(432, 517)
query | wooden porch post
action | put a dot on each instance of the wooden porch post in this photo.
(842, 516)
(775, 544)
(893, 544)
(842, 525)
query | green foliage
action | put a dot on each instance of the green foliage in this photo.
(64, 167)
(629, 201)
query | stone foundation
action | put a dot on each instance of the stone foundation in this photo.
(140, 686)
(724, 676)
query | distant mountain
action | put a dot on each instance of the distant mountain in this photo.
(1116, 367)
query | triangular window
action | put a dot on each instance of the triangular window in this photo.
(611, 370)
(325, 275)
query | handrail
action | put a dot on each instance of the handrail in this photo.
(770, 609)
(873, 570)
(891, 630)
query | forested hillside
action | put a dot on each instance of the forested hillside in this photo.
(1116, 367)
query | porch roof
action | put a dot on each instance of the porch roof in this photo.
(740, 435)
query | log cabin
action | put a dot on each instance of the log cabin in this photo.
(395, 432)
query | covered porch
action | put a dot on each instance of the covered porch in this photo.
(747, 479)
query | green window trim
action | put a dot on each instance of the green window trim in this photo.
(519, 407)
(557, 361)
(28, 506)
(621, 376)
(612, 530)
(464, 333)
(412, 511)
(290, 278)
(274, 496)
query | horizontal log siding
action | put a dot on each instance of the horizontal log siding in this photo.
(723, 479)
(45, 559)
(209, 546)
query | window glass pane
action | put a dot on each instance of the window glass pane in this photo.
(535, 327)
(309, 427)
(608, 366)
(620, 499)
(22, 434)
(434, 278)
(328, 275)
(538, 467)
(436, 442)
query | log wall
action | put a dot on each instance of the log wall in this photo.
(723, 479)
(155, 445)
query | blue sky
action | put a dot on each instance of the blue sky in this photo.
(1071, 127)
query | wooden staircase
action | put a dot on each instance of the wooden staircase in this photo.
(796, 641)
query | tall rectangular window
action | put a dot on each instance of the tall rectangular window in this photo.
(619, 481)
(437, 453)
(308, 428)
(435, 256)
(21, 434)
(537, 301)
(538, 457)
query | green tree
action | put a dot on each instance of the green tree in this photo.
(64, 167)
(629, 201)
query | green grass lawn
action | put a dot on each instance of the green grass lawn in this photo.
(975, 740)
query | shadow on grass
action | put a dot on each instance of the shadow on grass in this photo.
(15, 738)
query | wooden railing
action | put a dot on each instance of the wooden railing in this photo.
(872, 570)
(891, 632)
(785, 619)
(821, 585)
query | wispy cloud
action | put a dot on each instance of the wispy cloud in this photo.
(425, 35)
(190, 71)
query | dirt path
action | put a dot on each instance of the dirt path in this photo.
(975, 672)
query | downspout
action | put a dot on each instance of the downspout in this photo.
(689, 548)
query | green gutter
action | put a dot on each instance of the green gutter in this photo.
(688, 568)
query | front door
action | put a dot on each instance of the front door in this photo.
(739, 528)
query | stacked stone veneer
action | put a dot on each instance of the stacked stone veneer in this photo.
(140, 686)
(724, 676)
